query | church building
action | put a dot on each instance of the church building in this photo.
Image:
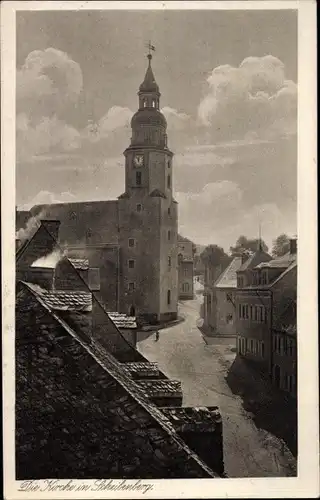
(131, 243)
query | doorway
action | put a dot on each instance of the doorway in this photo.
(132, 311)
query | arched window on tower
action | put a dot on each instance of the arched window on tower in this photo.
(168, 182)
(144, 103)
(153, 103)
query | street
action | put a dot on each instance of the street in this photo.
(182, 354)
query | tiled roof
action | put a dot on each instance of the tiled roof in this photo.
(197, 419)
(81, 264)
(137, 391)
(255, 259)
(122, 320)
(228, 279)
(141, 369)
(293, 266)
(280, 262)
(157, 193)
(64, 300)
(161, 388)
(84, 222)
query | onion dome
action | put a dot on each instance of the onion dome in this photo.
(148, 116)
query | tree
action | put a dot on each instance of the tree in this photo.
(244, 243)
(281, 245)
(194, 246)
(214, 256)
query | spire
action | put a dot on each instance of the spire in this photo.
(149, 83)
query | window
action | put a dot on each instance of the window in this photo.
(251, 312)
(290, 347)
(185, 287)
(169, 297)
(131, 263)
(185, 271)
(262, 349)
(169, 261)
(139, 207)
(138, 178)
(131, 242)
(251, 345)
(246, 313)
(169, 235)
(240, 310)
(229, 319)
(169, 163)
(131, 287)
(94, 278)
(169, 211)
(169, 182)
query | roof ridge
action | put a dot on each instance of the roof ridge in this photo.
(116, 372)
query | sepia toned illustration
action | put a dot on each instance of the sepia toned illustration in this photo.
(156, 244)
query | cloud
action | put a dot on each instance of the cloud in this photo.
(48, 80)
(47, 197)
(47, 134)
(254, 98)
(175, 120)
(221, 207)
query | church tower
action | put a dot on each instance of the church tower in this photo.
(148, 214)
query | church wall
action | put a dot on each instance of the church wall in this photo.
(92, 222)
(168, 248)
(157, 161)
(144, 228)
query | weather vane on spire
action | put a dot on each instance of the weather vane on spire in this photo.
(150, 48)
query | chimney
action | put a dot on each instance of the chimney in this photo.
(52, 227)
(201, 429)
(42, 276)
(293, 246)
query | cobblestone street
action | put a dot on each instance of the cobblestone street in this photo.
(182, 353)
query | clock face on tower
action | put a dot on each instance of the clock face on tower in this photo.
(138, 160)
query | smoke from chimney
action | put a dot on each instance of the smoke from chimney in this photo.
(50, 260)
(32, 224)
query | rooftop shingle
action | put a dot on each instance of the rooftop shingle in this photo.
(64, 300)
(122, 320)
(193, 418)
(161, 388)
(80, 264)
(142, 370)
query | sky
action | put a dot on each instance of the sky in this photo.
(228, 81)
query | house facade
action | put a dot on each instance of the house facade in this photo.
(220, 300)
(266, 289)
(185, 270)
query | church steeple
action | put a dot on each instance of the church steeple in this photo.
(149, 94)
(148, 124)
